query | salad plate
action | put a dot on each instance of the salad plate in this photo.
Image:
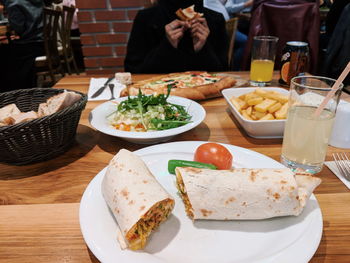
(281, 239)
(98, 119)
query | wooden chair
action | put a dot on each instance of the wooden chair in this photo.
(50, 64)
(66, 51)
(231, 28)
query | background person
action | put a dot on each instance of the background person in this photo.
(161, 43)
(229, 9)
(236, 6)
(25, 18)
(218, 6)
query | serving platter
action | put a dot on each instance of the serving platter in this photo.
(98, 120)
(283, 239)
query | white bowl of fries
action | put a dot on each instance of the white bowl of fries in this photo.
(261, 112)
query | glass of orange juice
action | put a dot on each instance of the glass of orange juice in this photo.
(263, 60)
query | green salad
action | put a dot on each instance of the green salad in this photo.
(148, 113)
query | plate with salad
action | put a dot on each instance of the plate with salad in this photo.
(147, 119)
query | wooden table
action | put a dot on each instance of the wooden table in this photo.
(39, 203)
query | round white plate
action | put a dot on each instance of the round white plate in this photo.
(283, 239)
(98, 120)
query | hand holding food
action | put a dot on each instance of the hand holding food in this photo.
(197, 24)
(199, 32)
(175, 31)
(262, 105)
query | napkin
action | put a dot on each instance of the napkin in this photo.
(333, 167)
(96, 83)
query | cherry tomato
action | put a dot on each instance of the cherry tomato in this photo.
(215, 154)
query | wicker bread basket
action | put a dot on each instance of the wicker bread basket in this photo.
(40, 139)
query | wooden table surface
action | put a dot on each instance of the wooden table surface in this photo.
(39, 203)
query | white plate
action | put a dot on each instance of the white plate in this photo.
(284, 239)
(256, 129)
(98, 120)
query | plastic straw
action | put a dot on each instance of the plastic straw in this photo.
(333, 90)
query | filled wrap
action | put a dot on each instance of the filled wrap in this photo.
(136, 199)
(243, 193)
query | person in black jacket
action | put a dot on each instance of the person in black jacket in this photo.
(161, 43)
(26, 19)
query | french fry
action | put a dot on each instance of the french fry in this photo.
(262, 104)
(261, 92)
(281, 98)
(245, 115)
(242, 97)
(274, 107)
(268, 116)
(251, 95)
(238, 103)
(262, 107)
(255, 101)
(258, 114)
(254, 118)
(249, 110)
(282, 112)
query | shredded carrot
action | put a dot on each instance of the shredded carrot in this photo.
(139, 126)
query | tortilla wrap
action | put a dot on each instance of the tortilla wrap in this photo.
(138, 202)
(243, 193)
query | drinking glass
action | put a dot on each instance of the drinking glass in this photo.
(263, 60)
(306, 135)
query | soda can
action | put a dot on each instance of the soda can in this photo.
(294, 61)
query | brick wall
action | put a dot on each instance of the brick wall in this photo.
(105, 26)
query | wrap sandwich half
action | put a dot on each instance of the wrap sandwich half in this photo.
(138, 202)
(243, 193)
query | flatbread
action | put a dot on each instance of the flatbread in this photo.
(248, 194)
(195, 85)
(136, 199)
(187, 13)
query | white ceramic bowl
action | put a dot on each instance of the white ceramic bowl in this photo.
(98, 120)
(256, 129)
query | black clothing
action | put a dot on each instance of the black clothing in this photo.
(334, 14)
(25, 18)
(22, 72)
(4, 60)
(338, 50)
(149, 50)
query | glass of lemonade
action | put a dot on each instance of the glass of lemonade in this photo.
(263, 60)
(306, 135)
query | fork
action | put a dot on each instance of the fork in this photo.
(343, 163)
(111, 86)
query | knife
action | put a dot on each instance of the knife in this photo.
(100, 90)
